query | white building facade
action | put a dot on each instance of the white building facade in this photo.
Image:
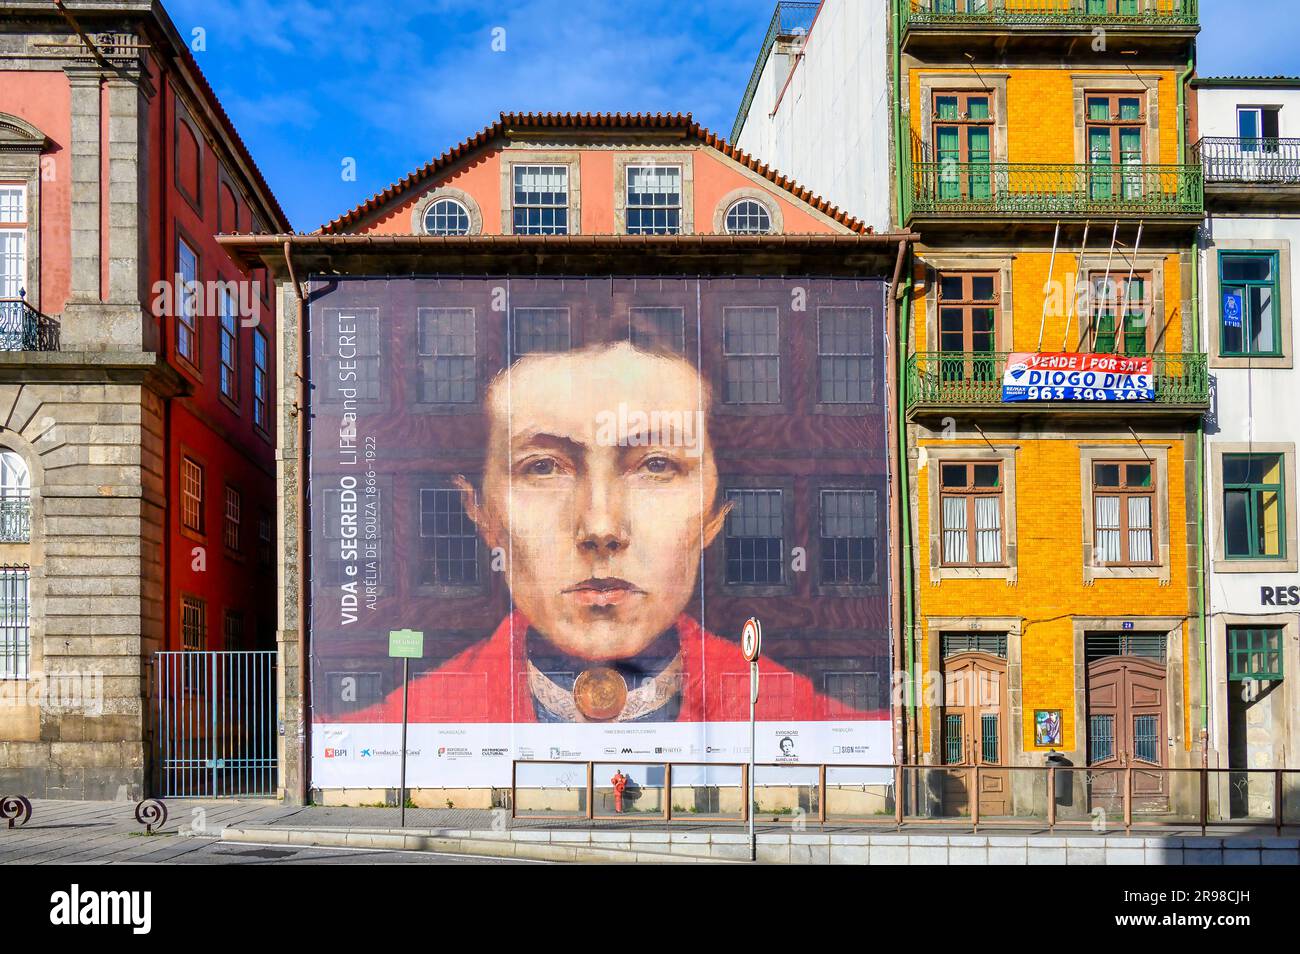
(1249, 148)
(800, 114)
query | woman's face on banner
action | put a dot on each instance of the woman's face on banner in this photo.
(600, 487)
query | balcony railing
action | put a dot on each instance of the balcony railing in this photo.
(790, 19)
(970, 379)
(1011, 13)
(23, 328)
(1229, 159)
(15, 516)
(1034, 189)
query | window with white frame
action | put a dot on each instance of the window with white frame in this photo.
(191, 495)
(541, 200)
(231, 532)
(261, 385)
(15, 499)
(1123, 495)
(15, 624)
(229, 347)
(187, 329)
(971, 498)
(654, 200)
(194, 623)
(748, 217)
(13, 240)
(446, 217)
(1257, 128)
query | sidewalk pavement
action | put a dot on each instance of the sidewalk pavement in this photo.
(107, 832)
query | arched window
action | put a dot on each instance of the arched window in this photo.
(446, 217)
(15, 499)
(748, 217)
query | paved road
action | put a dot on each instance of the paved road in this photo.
(107, 833)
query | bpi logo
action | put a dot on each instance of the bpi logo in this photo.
(335, 753)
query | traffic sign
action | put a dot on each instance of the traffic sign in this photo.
(751, 639)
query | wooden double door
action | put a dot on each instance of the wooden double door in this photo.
(1126, 729)
(974, 732)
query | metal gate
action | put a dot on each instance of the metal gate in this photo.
(215, 724)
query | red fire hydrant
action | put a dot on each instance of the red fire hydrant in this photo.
(620, 783)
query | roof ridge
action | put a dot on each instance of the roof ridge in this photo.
(618, 120)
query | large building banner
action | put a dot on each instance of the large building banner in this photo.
(578, 490)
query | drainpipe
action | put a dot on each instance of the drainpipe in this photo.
(300, 412)
(1183, 79)
(904, 321)
(898, 491)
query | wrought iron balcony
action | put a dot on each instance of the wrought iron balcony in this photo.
(789, 20)
(1039, 13)
(944, 380)
(1232, 160)
(15, 516)
(23, 328)
(1013, 189)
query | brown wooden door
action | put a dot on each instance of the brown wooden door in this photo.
(1126, 719)
(974, 731)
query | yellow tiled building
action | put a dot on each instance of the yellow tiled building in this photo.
(1055, 601)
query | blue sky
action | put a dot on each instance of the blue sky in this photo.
(389, 84)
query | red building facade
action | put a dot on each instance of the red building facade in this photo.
(135, 385)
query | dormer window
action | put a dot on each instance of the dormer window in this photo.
(446, 217)
(654, 200)
(748, 217)
(541, 203)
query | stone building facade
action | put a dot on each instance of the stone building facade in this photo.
(99, 398)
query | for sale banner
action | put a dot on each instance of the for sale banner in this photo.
(578, 490)
(1067, 376)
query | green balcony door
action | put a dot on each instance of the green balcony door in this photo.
(963, 142)
(1115, 147)
(1124, 8)
(1126, 296)
(968, 305)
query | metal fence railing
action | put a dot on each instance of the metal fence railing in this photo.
(789, 19)
(15, 622)
(215, 725)
(1050, 796)
(1011, 13)
(1231, 159)
(965, 379)
(23, 328)
(1034, 189)
(15, 516)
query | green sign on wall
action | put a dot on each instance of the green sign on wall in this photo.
(405, 644)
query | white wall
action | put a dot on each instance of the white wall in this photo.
(830, 127)
(1259, 405)
(1217, 109)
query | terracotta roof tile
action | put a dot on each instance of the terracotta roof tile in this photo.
(508, 121)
